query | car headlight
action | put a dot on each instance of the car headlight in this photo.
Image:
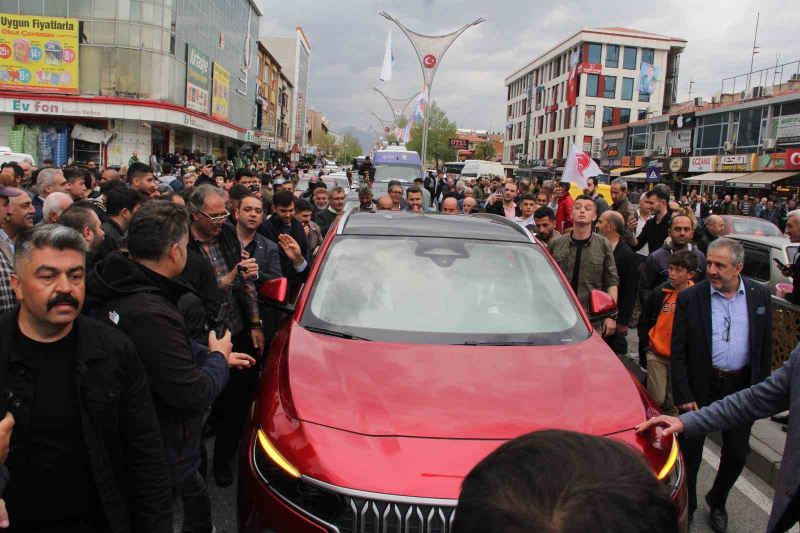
(287, 481)
(672, 471)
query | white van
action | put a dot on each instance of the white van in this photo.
(474, 168)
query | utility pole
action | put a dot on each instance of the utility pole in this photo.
(755, 51)
(691, 85)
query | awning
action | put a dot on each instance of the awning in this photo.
(714, 178)
(639, 176)
(759, 180)
(621, 171)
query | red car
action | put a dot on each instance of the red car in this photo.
(419, 344)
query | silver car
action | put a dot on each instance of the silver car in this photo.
(759, 254)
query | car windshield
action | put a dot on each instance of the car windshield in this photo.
(442, 291)
(388, 173)
(754, 226)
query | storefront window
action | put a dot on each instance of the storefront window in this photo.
(127, 71)
(629, 58)
(105, 10)
(102, 32)
(612, 55)
(627, 89)
(80, 9)
(609, 87)
(591, 84)
(595, 53)
(55, 8)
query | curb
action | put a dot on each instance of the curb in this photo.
(762, 461)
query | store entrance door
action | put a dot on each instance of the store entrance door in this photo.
(160, 144)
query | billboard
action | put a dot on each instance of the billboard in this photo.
(649, 76)
(198, 76)
(786, 129)
(221, 92)
(39, 54)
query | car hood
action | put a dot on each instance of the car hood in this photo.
(459, 392)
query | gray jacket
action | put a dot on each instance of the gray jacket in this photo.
(777, 393)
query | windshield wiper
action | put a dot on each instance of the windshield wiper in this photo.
(332, 333)
(496, 343)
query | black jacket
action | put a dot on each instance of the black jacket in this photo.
(691, 340)
(115, 236)
(651, 306)
(184, 378)
(628, 272)
(703, 238)
(656, 267)
(794, 296)
(325, 220)
(118, 420)
(274, 226)
(498, 209)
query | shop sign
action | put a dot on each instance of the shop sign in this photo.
(679, 122)
(198, 76)
(793, 159)
(772, 161)
(221, 92)
(680, 142)
(786, 129)
(703, 163)
(614, 136)
(459, 144)
(653, 175)
(588, 117)
(39, 54)
(596, 144)
(613, 150)
(249, 136)
(53, 107)
(626, 161)
(589, 68)
(733, 163)
(678, 164)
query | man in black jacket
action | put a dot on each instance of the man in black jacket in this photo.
(721, 343)
(612, 227)
(140, 296)
(712, 228)
(87, 454)
(282, 229)
(121, 204)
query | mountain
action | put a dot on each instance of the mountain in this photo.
(365, 136)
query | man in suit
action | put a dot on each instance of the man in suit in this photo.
(780, 391)
(721, 344)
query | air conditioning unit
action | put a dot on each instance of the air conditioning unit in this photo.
(769, 144)
(698, 101)
(728, 146)
(714, 99)
(758, 92)
(795, 77)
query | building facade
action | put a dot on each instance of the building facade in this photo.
(269, 77)
(294, 54)
(155, 77)
(285, 114)
(594, 78)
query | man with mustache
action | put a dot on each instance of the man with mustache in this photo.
(86, 452)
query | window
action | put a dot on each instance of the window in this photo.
(627, 89)
(644, 97)
(608, 116)
(591, 84)
(749, 127)
(642, 114)
(624, 116)
(629, 58)
(648, 56)
(756, 263)
(612, 55)
(595, 54)
(609, 87)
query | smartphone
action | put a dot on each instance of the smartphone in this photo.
(5, 400)
(777, 262)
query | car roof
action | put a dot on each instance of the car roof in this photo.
(772, 242)
(406, 224)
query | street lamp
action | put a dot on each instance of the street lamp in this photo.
(387, 126)
(430, 49)
(397, 105)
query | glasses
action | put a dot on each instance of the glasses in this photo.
(218, 219)
(726, 334)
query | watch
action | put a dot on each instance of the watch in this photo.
(257, 325)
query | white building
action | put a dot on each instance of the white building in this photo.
(610, 87)
(294, 55)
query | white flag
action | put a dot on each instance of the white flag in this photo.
(578, 167)
(388, 59)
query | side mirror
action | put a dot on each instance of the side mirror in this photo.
(601, 305)
(275, 290)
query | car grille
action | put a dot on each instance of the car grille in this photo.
(376, 516)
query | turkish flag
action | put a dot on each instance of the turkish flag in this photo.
(572, 89)
(578, 167)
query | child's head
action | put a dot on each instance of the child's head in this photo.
(682, 267)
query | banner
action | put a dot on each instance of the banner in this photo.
(734, 163)
(684, 120)
(649, 76)
(39, 54)
(222, 92)
(459, 144)
(703, 163)
(572, 80)
(588, 117)
(785, 129)
(198, 76)
(388, 59)
(793, 159)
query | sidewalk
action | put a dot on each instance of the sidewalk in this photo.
(767, 439)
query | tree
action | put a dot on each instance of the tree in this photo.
(350, 149)
(325, 143)
(440, 131)
(485, 151)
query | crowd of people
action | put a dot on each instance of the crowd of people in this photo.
(142, 287)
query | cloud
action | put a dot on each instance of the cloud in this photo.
(347, 38)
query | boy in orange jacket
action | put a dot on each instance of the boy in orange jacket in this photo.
(658, 316)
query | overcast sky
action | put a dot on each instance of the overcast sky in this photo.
(347, 43)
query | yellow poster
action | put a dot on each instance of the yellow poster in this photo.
(221, 93)
(38, 54)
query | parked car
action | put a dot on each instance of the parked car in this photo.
(330, 180)
(377, 400)
(760, 253)
(744, 225)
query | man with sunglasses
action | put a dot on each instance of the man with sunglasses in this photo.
(721, 344)
(235, 271)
